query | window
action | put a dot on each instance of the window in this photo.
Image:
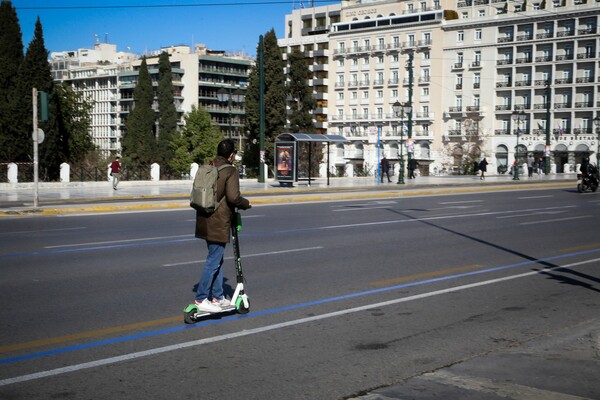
(411, 39)
(536, 6)
(367, 44)
(365, 95)
(460, 36)
(481, 13)
(477, 58)
(476, 80)
(425, 91)
(476, 101)
(366, 60)
(478, 34)
(458, 102)
(459, 81)
(366, 77)
(396, 41)
(459, 58)
(395, 93)
(340, 96)
(365, 113)
(410, 8)
(426, 55)
(381, 43)
(340, 62)
(395, 58)
(465, 15)
(355, 45)
(380, 59)
(380, 94)
(423, 6)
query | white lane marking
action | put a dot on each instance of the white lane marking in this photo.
(531, 214)
(118, 241)
(270, 253)
(555, 220)
(496, 387)
(533, 197)
(43, 230)
(267, 328)
(462, 202)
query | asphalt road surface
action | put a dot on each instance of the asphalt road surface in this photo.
(346, 298)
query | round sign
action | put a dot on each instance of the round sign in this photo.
(40, 136)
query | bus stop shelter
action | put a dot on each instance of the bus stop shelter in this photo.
(286, 154)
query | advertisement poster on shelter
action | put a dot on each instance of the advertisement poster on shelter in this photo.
(285, 154)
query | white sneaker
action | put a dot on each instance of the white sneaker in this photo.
(206, 306)
(222, 303)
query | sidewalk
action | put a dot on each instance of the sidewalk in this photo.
(18, 198)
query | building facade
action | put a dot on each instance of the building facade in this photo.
(463, 68)
(108, 78)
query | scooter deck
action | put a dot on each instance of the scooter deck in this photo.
(196, 315)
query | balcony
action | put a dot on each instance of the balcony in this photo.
(523, 37)
(476, 85)
(587, 31)
(565, 33)
(506, 39)
(543, 59)
(458, 86)
(506, 61)
(456, 109)
(585, 56)
(458, 65)
(585, 79)
(503, 84)
(501, 132)
(523, 83)
(560, 106)
(544, 35)
(423, 80)
(584, 104)
(563, 81)
(564, 57)
(523, 60)
(503, 107)
(393, 82)
(475, 64)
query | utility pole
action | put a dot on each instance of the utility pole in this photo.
(261, 102)
(410, 147)
(547, 148)
(36, 197)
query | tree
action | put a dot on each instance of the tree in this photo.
(14, 136)
(35, 73)
(139, 140)
(302, 104)
(167, 113)
(274, 103)
(75, 117)
(197, 142)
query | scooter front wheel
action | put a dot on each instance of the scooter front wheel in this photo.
(580, 188)
(241, 306)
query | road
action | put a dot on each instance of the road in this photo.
(346, 298)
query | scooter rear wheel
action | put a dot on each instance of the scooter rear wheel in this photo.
(188, 317)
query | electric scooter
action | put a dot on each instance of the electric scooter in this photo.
(239, 300)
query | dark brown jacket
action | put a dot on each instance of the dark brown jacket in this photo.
(216, 226)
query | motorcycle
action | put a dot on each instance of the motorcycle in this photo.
(588, 180)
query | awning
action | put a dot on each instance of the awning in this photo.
(311, 137)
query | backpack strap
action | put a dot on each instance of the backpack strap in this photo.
(219, 170)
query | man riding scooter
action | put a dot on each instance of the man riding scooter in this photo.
(588, 178)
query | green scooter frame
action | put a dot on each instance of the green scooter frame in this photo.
(239, 300)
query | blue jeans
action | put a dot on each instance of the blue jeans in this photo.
(211, 280)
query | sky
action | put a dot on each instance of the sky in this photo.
(144, 25)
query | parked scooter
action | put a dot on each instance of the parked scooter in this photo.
(588, 180)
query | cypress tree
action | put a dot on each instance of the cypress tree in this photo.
(167, 113)
(301, 106)
(274, 98)
(139, 141)
(13, 134)
(302, 102)
(35, 73)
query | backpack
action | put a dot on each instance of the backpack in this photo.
(204, 190)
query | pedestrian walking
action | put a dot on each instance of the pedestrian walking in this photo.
(540, 167)
(115, 172)
(483, 168)
(530, 165)
(412, 166)
(385, 169)
(215, 229)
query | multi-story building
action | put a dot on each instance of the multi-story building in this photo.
(109, 79)
(463, 67)
(94, 72)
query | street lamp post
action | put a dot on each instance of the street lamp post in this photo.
(518, 117)
(597, 123)
(399, 110)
